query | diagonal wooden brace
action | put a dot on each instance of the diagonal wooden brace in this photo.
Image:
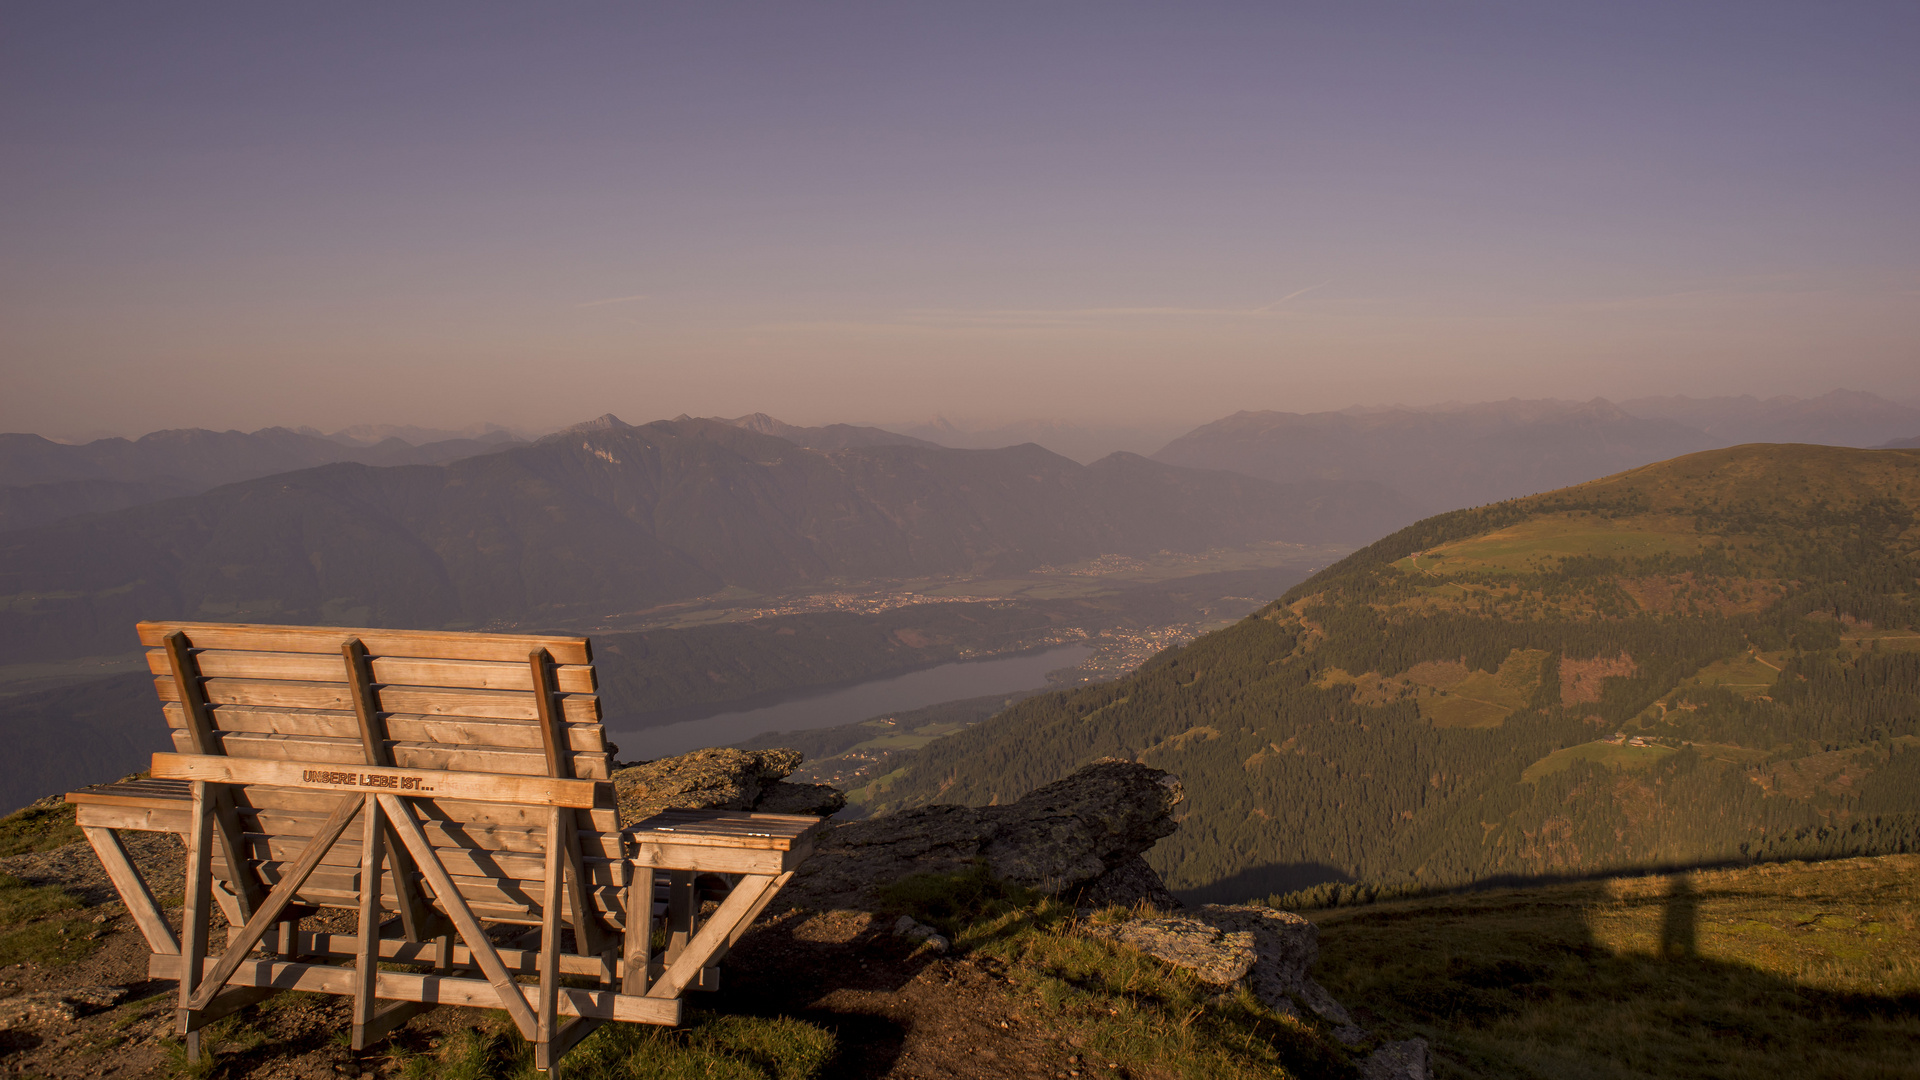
(469, 927)
(133, 889)
(747, 897)
(269, 912)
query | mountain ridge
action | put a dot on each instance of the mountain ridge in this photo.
(619, 519)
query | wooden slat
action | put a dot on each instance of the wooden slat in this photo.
(138, 818)
(719, 828)
(452, 645)
(338, 696)
(480, 787)
(317, 750)
(337, 886)
(408, 727)
(713, 860)
(459, 861)
(467, 835)
(518, 961)
(395, 670)
(446, 990)
(454, 813)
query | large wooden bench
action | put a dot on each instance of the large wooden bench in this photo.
(451, 789)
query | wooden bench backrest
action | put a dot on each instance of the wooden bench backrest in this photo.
(447, 701)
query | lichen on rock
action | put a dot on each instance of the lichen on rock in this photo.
(1060, 839)
(721, 778)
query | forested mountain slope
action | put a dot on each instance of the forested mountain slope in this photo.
(610, 519)
(1710, 658)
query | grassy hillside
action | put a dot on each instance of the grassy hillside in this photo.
(1789, 970)
(1713, 658)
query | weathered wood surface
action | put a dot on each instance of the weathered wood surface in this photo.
(390, 670)
(480, 787)
(482, 770)
(437, 644)
(726, 828)
(444, 990)
(133, 890)
(518, 961)
(338, 697)
(401, 727)
(405, 755)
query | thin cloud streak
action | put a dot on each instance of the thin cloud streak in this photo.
(1062, 316)
(1292, 295)
(614, 300)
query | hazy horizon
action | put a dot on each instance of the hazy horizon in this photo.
(1112, 215)
(1144, 437)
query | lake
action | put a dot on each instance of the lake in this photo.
(896, 693)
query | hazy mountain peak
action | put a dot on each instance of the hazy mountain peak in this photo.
(827, 437)
(604, 422)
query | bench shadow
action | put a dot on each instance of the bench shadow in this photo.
(1268, 879)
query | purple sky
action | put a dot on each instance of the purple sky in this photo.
(247, 214)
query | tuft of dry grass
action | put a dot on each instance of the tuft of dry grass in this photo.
(1122, 1005)
(1795, 969)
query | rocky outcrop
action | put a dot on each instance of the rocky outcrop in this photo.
(1223, 945)
(1213, 955)
(1404, 1060)
(721, 778)
(1271, 953)
(1131, 883)
(1080, 835)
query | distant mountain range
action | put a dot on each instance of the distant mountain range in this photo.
(607, 518)
(829, 437)
(1081, 442)
(1840, 418)
(43, 481)
(1454, 456)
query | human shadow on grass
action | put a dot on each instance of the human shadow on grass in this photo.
(783, 969)
(1518, 983)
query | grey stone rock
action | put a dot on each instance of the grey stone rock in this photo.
(1288, 945)
(96, 997)
(781, 797)
(1213, 955)
(908, 928)
(1406, 1060)
(37, 1011)
(1056, 839)
(720, 778)
(1131, 883)
(1271, 951)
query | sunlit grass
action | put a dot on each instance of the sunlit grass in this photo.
(1790, 970)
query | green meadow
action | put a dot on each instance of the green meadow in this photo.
(1538, 543)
